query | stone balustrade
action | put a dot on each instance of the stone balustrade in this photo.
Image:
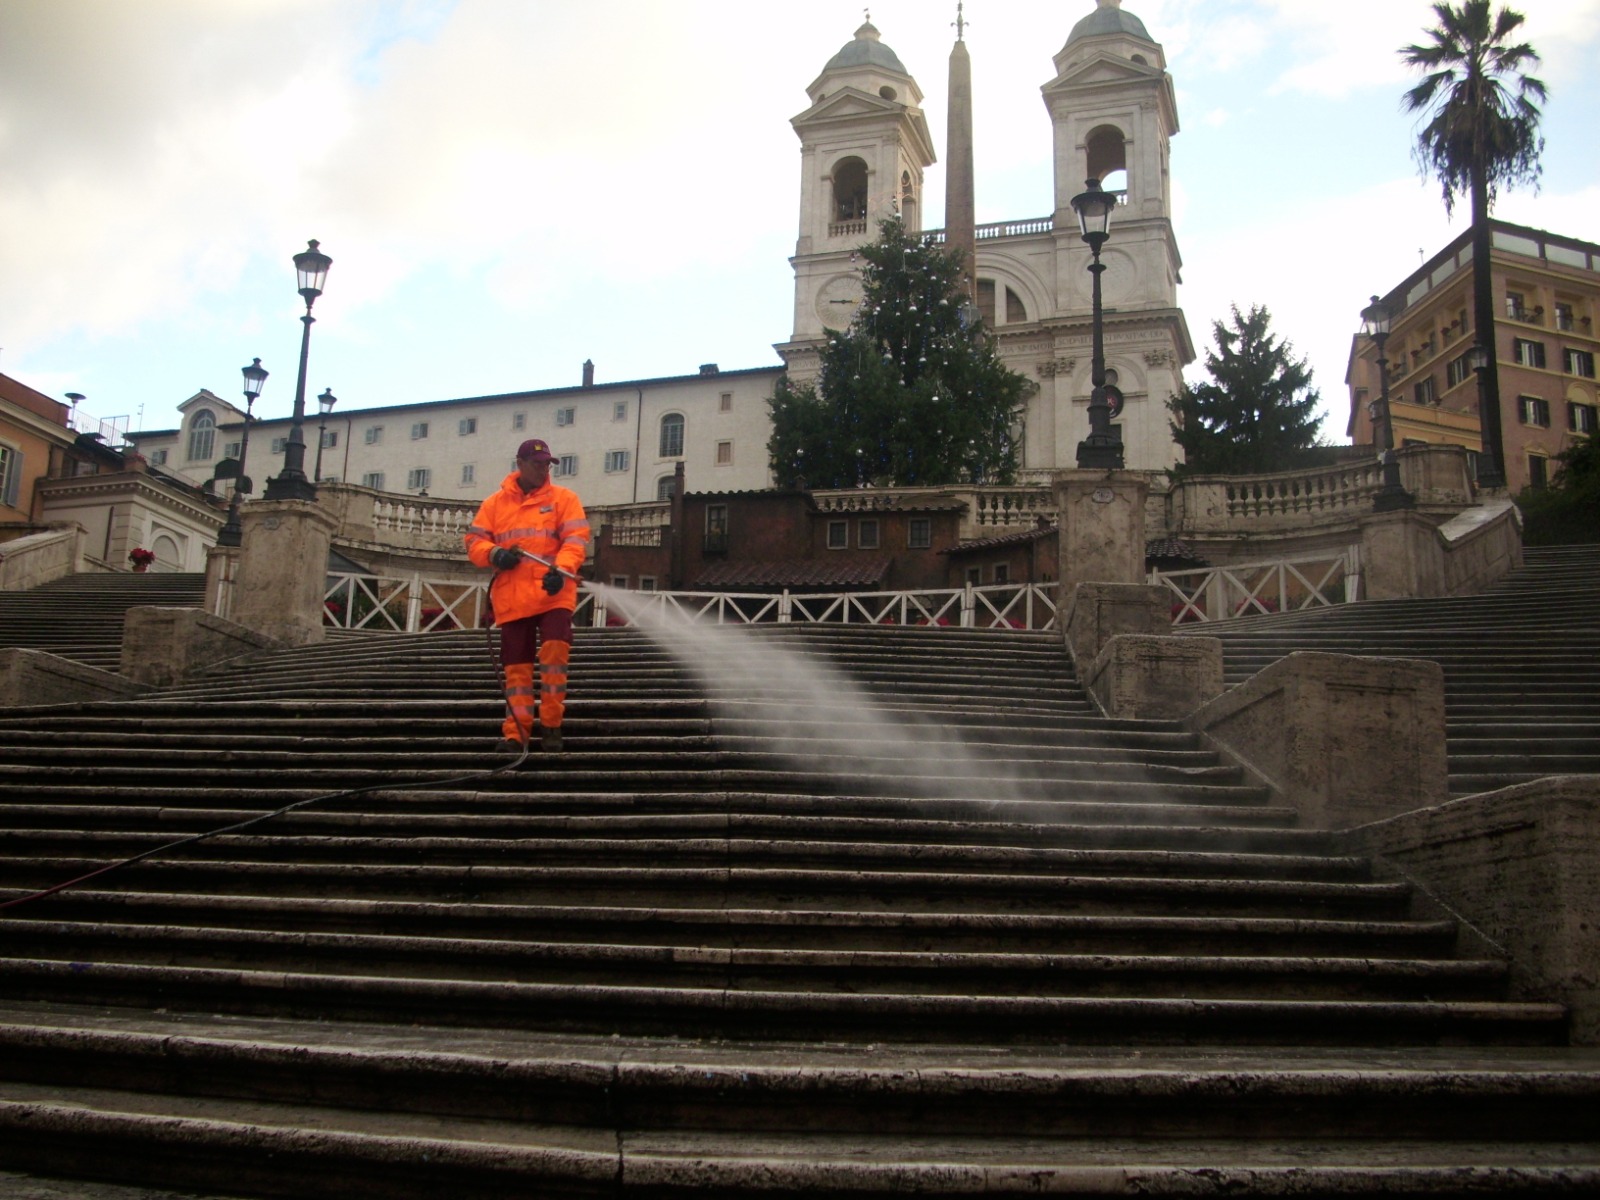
(1217, 505)
(632, 524)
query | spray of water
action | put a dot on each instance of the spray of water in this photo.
(771, 698)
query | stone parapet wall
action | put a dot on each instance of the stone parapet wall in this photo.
(1522, 866)
(34, 677)
(37, 558)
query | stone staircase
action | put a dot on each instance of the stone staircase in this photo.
(1522, 693)
(80, 617)
(745, 935)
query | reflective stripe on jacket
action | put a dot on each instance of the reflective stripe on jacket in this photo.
(549, 522)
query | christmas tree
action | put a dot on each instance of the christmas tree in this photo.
(1259, 414)
(913, 393)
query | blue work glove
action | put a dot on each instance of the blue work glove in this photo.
(504, 559)
(554, 581)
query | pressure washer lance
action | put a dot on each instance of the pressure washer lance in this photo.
(549, 562)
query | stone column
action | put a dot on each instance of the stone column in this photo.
(1101, 536)
(283, 570)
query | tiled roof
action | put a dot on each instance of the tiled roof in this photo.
(1004, 539)
(1170, 548)
(841, 571)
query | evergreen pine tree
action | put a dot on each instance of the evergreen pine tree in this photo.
(1258, 413)
(911, 393)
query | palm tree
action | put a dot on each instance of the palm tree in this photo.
(1482, 133)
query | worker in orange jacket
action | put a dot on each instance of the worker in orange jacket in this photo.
(532, 602)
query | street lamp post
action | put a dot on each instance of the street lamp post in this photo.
(325, 403)
(1102, 449)
(311, 268)
(255, 377)
(1490, 473)
(1392, 495)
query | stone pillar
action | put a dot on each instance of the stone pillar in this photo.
(1399, 556)
(1098, 612)
(1101, 536)
(1342, 740)
(283, 570)
(1155, 678)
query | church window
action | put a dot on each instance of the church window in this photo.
(887, 92)
(1016, 312)
(202, 436)
(671, 436)
(850, 190)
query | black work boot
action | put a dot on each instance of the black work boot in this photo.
(549, 738)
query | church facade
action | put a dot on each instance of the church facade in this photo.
(864, 148)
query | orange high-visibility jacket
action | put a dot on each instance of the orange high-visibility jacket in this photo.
(548, 522)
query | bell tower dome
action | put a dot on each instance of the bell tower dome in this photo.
(864, 144)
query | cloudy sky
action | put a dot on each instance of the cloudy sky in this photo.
(508, 187)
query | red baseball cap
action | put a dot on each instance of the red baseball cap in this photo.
(535, 449)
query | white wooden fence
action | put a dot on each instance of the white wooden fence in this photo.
(1250, 589)
(413, 604)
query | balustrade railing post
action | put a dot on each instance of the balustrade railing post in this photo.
(968, 606)
(785, 608)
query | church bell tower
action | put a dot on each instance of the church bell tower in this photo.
(864, 145)
(1113, 112)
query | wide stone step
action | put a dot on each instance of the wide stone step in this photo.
(559, 817)
(210, 1144)
(874, 889)
(846, 970)
(906, 851)
(1151, 1095)
(722, 1010)
(1118, 804)
(979, 929)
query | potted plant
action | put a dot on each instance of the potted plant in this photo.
(141, 558)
